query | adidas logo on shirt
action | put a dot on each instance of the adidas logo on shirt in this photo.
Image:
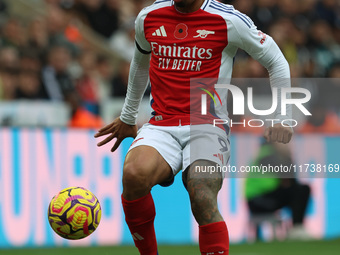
(160, 32)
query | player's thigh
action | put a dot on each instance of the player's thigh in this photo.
(154, 155)
(147, 163)
(207, 152)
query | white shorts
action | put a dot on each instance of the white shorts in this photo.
(180, 146)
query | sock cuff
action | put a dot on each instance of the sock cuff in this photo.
(140, 200)
(213, 227)
(214, 239)
(140, 210)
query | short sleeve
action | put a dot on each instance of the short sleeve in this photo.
(142, 44)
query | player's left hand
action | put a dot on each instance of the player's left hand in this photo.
(278, 133)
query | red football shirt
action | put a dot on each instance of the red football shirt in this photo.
(188, 48)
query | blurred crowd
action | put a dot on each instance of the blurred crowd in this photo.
(48, 57)
(307, 31)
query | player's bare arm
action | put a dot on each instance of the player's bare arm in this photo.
(116, 129)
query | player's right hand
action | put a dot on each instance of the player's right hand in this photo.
(116, 129)
(278, 133)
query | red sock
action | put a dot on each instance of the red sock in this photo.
(140, 215)
(214, 239)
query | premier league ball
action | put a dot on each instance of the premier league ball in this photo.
(74, 213)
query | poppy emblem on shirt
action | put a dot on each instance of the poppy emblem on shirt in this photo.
(181, 31)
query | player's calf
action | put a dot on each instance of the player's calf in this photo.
(139, 208)
(139, 216)
(143, 168)
(203, 189)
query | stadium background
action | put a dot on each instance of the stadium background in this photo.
(48, 120)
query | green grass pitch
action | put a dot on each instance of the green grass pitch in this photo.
(330, 247)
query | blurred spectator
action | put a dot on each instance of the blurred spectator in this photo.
(104, 77)
(13, 33)
(288, 8)
(269, 193)
(328, 10)
(85, 119)
(334, 101)
(9, 66)
(255, 69)
(335, 71)
(9, 58)
(29, 86)
(123, 41)
(264, 13)
(131, 8)
(3, 13)
(240, 67)
(38, 37)
(138, 5)
(326, 51)
(87, 85)
(55, 20)
(285, 33)
(57, 23)
(101, 16)
(8, 81)
(30, 60)
(56, 79)
(3, 7)
(244, 6)
(120, 81)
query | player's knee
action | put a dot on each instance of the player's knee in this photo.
(135, 177)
